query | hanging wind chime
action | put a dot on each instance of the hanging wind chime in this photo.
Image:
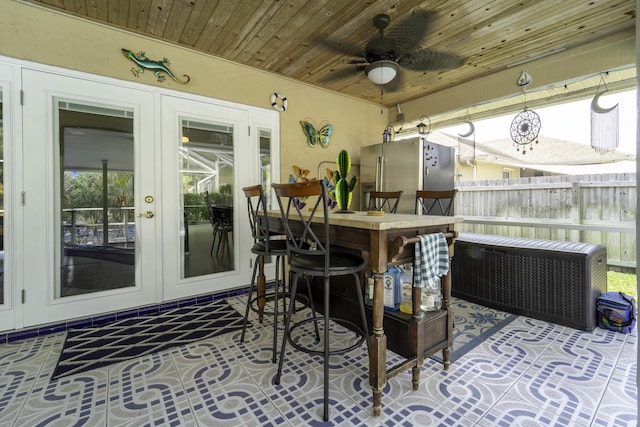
(604, 122)
(467, 141)
(525, 127)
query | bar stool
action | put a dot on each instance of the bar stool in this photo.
(426, 200)
(378, 200)
(311, 255)
(263, 246)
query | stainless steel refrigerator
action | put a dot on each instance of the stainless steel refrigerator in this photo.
(408, 165)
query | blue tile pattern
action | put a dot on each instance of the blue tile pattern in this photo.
(8, 336)
(530, 373)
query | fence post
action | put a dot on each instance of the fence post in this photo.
(576, 206)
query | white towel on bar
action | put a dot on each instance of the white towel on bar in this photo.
(431, 260)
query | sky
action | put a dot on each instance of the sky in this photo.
(571, 122)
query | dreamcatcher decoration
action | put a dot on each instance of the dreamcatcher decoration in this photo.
(604, 122)
(467, 141)
(525, 127)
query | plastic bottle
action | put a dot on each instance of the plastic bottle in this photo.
(368, 294)
(391, 286)
(406, 289)
(431, 298)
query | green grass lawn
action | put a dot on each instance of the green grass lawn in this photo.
(622, 282)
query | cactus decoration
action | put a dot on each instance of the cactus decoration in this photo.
(344, 188)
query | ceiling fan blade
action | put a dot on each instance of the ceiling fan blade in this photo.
(410, 32)
(340, 46)
(426, 60)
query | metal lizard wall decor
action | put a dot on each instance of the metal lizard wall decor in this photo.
(145, 63)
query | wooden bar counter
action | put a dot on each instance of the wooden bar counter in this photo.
(384, 241)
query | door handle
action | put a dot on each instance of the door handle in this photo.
(147, 214)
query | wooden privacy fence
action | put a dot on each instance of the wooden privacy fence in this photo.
(582, 208)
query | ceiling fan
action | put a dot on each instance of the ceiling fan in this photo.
(400, 47)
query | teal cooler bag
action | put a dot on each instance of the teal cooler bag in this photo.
(616, 311)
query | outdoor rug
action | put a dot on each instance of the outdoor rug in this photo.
(472, 324)
(97, 346)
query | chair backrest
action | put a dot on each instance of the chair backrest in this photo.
(426, 200)
(207, 200)
(306, 224)
(378, 200)
(257, 210)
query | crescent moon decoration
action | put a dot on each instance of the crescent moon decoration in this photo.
(604, 126)
(525, 128)
(470, 132)
(596, 108)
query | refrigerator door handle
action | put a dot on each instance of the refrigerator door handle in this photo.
(379, 173)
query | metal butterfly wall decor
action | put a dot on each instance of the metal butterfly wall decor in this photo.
(314, 136)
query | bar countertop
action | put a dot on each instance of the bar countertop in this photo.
(361, 219)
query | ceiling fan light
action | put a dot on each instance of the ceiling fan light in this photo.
(382, 72)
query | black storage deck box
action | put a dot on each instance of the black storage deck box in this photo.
(544, 279)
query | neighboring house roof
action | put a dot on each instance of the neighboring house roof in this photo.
(550, 154)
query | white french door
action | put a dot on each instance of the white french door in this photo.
(204, 146)
(110, 190)
(9, 156)
(91, 239)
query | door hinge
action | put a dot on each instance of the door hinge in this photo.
(24, 296)
(21, 97)
(23, 198)
(250, 262)
(249, 129)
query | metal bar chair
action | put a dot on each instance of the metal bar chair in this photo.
(311, 255)
(426, 200)
(263, 246)
(379, 200)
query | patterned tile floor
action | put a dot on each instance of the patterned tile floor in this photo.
(531, 373)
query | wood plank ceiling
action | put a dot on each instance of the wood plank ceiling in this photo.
(293, 37)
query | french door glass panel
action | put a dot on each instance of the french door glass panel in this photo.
(89, 181)
(97, 194)
(206, 175)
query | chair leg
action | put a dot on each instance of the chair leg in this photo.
(313, 309)
(326, 348)
(276, 300)
(251, 288)
(363, 316)
(283, 269)
(216, 236)
(222, 242)
(287, 322)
